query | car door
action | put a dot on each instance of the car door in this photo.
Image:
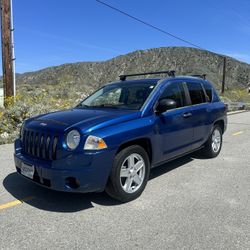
(174, 127)
(200, 112)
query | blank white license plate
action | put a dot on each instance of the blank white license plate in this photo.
(27, 170)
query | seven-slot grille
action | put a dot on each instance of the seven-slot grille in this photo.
(40, 145)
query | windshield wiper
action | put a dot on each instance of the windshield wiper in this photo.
(82, 106)
(104, 106)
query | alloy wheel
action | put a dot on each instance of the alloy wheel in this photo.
(216, 140)
(132, 173)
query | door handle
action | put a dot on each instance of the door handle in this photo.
(186, 115)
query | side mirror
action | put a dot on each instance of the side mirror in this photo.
(165, 104)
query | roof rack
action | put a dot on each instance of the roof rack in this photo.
(170, 73)
(203, 76)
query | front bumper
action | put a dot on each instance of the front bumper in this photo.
(88, 170)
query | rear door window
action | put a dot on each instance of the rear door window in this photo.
(196, 93)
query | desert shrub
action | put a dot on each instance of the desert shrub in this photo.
(237, 95)
(32, 100)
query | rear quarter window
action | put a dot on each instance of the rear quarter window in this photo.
(209, 92)
(216, 97)
(196, 93)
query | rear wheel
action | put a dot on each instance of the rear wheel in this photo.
(129, 174)
(213, 145)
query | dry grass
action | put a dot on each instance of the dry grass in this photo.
(236, 95)
(34, 100)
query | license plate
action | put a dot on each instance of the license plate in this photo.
(27, 170)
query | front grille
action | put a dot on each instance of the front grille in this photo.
(40, 145)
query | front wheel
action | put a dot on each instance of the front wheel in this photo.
(129, 174)
(213, 145)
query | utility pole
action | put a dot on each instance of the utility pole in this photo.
(223, 75)
(7, 51)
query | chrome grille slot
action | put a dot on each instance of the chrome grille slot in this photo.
(47, 147)
(36, 144)
(40, 145)
(26, 141)
(54, 147)
(23, 140)
(32, 143)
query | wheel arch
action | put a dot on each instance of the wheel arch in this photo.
(145, 143)
(221, 123)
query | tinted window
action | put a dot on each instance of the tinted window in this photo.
(175, 92)
(209, 92)
(196, 93)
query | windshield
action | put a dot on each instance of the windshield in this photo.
(120, 96)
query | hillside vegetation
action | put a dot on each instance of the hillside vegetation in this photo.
(62, 87)
(183, 60)
(32, 100)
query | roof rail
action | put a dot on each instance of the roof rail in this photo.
(170, 73)
(203, 76)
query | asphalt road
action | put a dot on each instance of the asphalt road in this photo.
(191, 203)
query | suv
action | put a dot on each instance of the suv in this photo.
(112, 139)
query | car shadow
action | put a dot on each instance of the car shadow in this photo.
(169, 166)
(50, 200)
(55, 201)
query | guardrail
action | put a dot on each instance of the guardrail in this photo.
(234, 106)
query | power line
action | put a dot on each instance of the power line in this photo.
(169, 34)
(150, 25)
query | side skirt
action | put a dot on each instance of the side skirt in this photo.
(176, 157)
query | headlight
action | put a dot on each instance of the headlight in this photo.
(73, 139)
(94, 143)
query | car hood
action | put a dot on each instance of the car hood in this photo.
(86, 120)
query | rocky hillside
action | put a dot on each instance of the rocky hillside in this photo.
(183, 60)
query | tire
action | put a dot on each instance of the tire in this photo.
(213, 145)
(129, 174)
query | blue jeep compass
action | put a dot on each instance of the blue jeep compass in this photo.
(112, 139)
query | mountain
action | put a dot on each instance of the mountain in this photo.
(182, 59)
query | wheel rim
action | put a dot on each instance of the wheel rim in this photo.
(132, 173)
(216, 140)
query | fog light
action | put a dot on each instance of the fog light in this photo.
(72, 183)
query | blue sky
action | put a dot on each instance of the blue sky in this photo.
(53, 32)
